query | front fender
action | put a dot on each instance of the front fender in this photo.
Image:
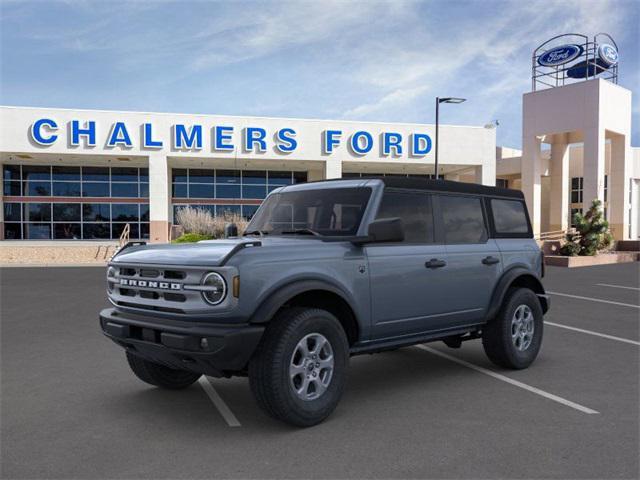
(277, 296)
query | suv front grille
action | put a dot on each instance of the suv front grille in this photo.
(157, 289)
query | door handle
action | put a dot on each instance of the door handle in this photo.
(490, 260)
(435, 263)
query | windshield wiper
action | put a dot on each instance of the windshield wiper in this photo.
(301, 231)
(255, 232)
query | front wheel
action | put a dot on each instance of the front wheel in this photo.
(299, 370)
(159, 375)
(513, 338)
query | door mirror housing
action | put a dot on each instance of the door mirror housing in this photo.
(386, 230)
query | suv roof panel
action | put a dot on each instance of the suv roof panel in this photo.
(426, 184)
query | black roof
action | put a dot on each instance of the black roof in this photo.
(447, 186)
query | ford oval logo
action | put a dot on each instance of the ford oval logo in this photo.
(608, 54)
(560, 55)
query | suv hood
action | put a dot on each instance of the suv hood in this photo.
(206, 253)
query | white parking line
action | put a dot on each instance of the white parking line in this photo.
(511, 381)
(610, 337)
(217, 400)
(600, 300)
(617, 286)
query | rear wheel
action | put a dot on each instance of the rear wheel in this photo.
(299, 370)
(514, 337)
(159, 375)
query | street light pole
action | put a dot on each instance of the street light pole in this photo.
(437, 129)
(438, 102)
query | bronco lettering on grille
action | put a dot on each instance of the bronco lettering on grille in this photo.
(150, 284)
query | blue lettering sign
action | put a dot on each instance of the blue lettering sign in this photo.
(255, 136)
(420, 144)
(147, 137)
(89, 131)
(119, 136)
(330, 140)
(359, 147)
(286, 140)
(186, 139)
(37, 134)
(222, 136)
(391, 140)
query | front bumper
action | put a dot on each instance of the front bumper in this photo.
(180, 345)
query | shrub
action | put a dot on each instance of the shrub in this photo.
(192, 238)
(591, 235)
(201, 222)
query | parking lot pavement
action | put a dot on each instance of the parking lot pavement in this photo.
(72, 409)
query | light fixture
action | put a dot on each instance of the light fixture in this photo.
(440, 100)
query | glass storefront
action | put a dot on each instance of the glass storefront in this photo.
(401, 175)
(63, 212)
(209, 188)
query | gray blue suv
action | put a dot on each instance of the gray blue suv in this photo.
(325, 271)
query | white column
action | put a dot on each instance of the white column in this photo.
(332, 168)
(593, 166)
(486, 174)
(618, 188)
(531, 182)
(159, 197)
(559, 205)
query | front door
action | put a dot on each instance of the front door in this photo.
(407, 279)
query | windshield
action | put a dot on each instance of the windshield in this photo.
(326, 212)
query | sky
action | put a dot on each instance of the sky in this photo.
(351, 60)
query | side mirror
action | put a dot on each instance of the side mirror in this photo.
(386, 230)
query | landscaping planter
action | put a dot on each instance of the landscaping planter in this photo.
(601, 259)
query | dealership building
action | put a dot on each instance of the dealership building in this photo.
(86, 174)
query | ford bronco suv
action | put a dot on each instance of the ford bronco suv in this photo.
(328, 270)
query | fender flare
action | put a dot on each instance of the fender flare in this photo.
(278, 297)
(507, 279)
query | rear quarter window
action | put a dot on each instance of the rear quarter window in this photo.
(509, 217)
(463, 219)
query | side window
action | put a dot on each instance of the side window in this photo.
(463, 219)
(509, 216)
(415, 211)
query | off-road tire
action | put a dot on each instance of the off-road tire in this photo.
(496, 335)
(269, 366)
(159, 375)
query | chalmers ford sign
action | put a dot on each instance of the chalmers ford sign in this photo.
(45, 132)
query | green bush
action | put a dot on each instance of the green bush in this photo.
(192, 238)
(591, 235)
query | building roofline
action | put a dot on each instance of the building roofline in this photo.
(16, 107)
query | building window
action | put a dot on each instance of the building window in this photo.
(576, 189)
(573, 212)
(243, 187)
(502, 183)
(64, 214)
(347, 175)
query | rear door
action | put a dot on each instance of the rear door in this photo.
(474, 263)
(407, 278)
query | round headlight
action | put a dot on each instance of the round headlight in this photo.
(111, 273)
(216, 288)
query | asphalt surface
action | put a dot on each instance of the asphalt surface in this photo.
(70, 407)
